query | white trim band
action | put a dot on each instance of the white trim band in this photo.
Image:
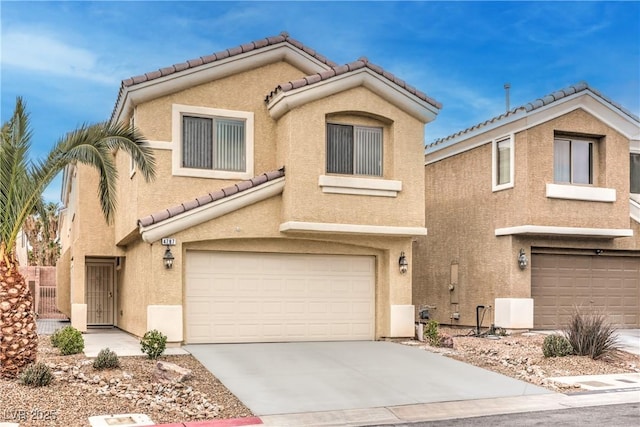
(577, 192)
(549, 230)
(360, 186)
(327, 227)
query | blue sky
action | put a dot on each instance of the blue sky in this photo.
(67, 58)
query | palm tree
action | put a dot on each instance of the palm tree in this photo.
(22, 183)
(42, 234)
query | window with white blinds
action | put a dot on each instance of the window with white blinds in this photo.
(354, 150)
(213, 143)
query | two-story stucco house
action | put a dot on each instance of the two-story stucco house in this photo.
(533, 212)
(288, 192)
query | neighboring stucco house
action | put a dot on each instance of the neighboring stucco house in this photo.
(554, 183)
(289, 189)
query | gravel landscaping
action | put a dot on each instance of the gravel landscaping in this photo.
(520, 356)
(78, 391)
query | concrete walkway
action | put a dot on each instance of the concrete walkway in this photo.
(281, 378)
(122, 343)
(95, 339)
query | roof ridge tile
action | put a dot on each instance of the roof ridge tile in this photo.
(538, 103)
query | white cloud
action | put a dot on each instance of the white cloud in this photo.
(44, 53)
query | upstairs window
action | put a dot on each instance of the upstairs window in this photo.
(573, 161)
(213, 143)
(503, 163)
(354, 150)
(635, 173)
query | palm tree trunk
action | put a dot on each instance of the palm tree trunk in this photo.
(18, 337)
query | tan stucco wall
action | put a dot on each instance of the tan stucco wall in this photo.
(302, 136)
(63, 283)
(297, 141)
(240, 92)
(143, 280)
(611, 170)
(462, 213)
(136, 283)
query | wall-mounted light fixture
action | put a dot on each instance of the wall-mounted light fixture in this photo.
(523, 261)
(168, 258)
(402, 262)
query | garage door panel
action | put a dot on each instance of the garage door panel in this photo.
(253, 297)
(607, 283)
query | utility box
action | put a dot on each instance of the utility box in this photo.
(514, 313)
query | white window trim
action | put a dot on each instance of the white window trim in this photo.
(580, 192)
(178, 110)
(634, 148)
(359, 186)
(132, 164)
(494, 163)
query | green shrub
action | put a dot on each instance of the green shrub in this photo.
(106, 359)
(69, 340)
(590, 334)
(431, 333)
(153, 343)
(556, 346)
(36, 375)
(55, 338)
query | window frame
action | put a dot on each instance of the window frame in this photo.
(179, 111)
(633, 154)
(354, 146)
(495, 166)
(592, 159)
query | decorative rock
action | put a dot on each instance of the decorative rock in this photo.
(170, 372)
(445, 340)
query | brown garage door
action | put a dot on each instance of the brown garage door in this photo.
(607, 283)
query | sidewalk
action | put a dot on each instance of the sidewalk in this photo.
(430, 411)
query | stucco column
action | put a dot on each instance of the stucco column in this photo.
(401, 311)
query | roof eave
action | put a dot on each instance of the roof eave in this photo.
(621, 121)
(285, 101)
(191, 218)
(141, 92)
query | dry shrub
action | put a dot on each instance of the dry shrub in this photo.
(590, 334)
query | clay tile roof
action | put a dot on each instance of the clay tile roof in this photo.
(538, 103)
(334, 71)
(172, 211)
(193, 63)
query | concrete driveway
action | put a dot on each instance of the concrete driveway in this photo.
(280, 378)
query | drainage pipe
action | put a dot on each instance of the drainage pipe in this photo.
(478, 308)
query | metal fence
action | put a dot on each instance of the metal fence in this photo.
(47, 308)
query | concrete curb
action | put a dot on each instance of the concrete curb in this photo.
(229, 422)
(450, 410)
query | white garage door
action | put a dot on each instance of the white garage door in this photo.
(261, 297)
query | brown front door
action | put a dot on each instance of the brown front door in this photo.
(100, 278)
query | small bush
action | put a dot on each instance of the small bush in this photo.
(55, 338)
(106, 359)
(556, 346)
(36, 375)
(69, 340)
(153, 343)
(590, 334)
(431, 333)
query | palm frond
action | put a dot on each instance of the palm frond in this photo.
(22, 182)
(16, 187)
